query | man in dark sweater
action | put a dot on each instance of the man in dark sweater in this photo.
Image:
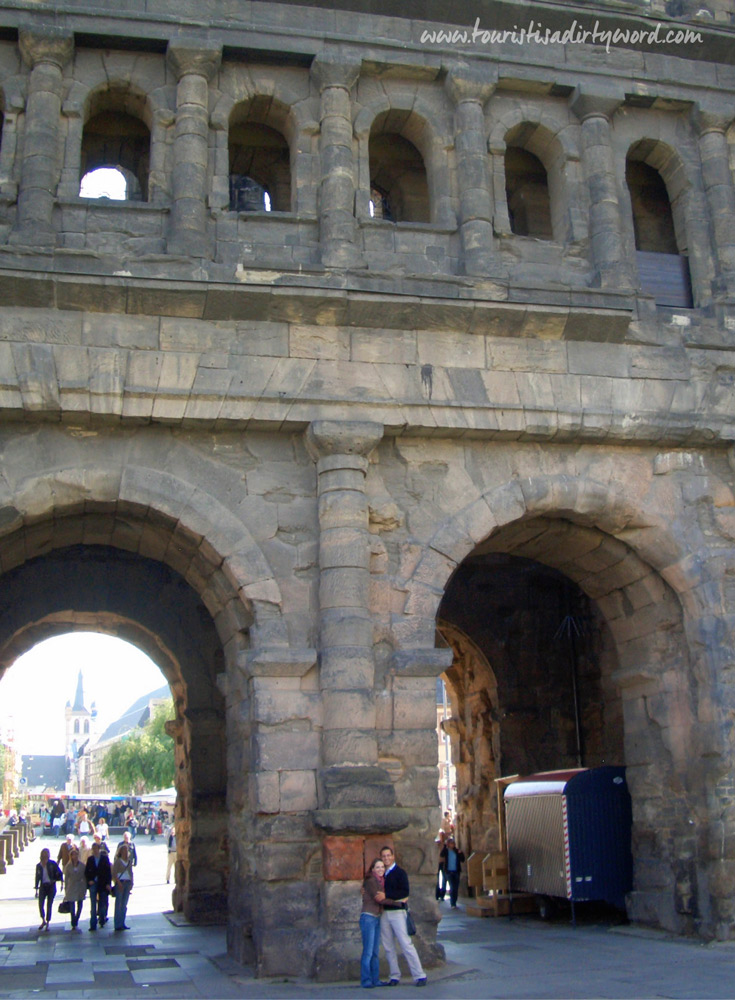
(393, 922)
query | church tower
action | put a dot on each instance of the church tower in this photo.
(80, 729)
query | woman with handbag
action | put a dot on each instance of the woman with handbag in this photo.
(76, 888)
(372, 886)
(48, 874)
(122, 885)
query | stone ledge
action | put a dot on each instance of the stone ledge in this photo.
(362, 821)
(276, 662)
(81, 281)
(421, 662)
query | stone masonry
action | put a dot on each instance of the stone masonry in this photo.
(311, 459)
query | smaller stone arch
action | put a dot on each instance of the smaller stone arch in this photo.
(257, 101)
(525, 139)
(420, 165)
(658, 189)
(117, 122)
(260, 134)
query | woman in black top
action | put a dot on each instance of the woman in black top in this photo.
(48, 874)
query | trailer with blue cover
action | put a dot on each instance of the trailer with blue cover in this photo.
(568, 835)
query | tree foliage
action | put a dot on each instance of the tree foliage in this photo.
(144, 760)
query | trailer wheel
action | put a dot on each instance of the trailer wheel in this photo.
(546, 907)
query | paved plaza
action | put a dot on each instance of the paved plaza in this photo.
(486, 958)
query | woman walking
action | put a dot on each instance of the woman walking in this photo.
(372, 887)
(122, 881)
(48, 874)
(76, 887)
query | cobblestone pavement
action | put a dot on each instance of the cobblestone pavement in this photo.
(488, 958)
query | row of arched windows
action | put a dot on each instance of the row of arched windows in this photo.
(117, 136)
(77, 726)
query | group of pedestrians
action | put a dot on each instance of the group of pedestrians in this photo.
(94, 874)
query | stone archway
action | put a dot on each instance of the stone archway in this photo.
(146, 603)
(652, 682)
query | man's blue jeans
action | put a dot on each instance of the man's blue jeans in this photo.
(370, 961)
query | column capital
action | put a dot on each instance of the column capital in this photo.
(335, 69)
(705, 120)
(595, 104)
(191, 56)
(471, 83)
(325, 438)
(50, 45)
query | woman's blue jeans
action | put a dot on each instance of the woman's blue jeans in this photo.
(370, 961)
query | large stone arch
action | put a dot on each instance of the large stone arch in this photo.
(645, 589)
(128, 537)
(110, 590)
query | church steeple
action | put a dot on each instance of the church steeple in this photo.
(79, 696)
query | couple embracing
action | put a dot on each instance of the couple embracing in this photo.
(383, 918)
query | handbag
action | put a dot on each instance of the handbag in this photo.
(410, 925)
(64, 906)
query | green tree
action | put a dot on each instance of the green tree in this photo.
(144, 760)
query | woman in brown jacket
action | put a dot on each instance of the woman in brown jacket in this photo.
(372, 892)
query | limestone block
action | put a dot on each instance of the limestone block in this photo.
(450, 350)
(414, 703)
(412, 747)
(332, 343)
(290, 904)
(344, 588)
(298, 791)
(275, 862)
(347, 787)
(280, 699)
(418, 787)
(514, 355)
(265, 792)
(289, 747)
(349, 746)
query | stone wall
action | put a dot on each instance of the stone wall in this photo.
(322, 430)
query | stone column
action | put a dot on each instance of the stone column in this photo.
(194, 66)
(340, 449)
(718, 186)
(470, 88)
(46, 51)
(334, 76)
(606, 240)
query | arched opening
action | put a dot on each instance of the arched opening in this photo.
(104, 182)
(568, 650)
(117, 137)
(660, 234)
(398, 180)
(259, 160)
(527, 192)
(88, 587)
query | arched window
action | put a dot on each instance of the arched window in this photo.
(527, 192)
(398, 183)
(76, 725)
(86, 726)
(663, 265)
(260, 168)
(117, 137)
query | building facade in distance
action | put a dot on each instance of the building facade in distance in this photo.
(397, 323)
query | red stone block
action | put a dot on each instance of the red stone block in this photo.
(342, 858)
